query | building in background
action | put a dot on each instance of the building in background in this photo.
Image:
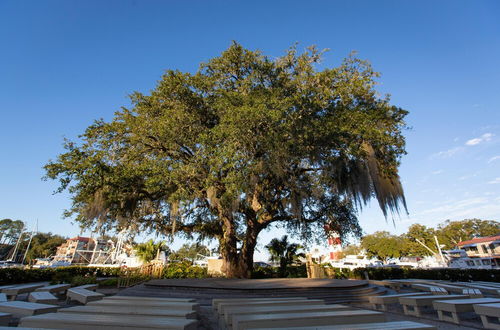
(482, 247)
(84, 251)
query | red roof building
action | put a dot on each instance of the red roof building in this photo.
(482, 247)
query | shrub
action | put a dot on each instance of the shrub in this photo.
(184, 270)
(264, 272)
(82, 280)
(56, 275)
(109, 282)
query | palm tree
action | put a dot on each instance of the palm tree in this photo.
(283, 252)
(148, 251)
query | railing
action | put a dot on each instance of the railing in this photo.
(135, 276)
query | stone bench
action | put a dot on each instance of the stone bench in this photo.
(43, 297)
(136, 298)
(413, 305)
(381, 302)
(216, 302)
(226, 320)
(13, 291)
(448, 309)
(484, 289)
(132, 309)
(439, 291)
(222, 306)
(159, 304)
(56, 288)
(23, 308)
(424, 287)
(397, 325)
(251, 321)
(5, 318)
(90, 287)
(82, 295)
(473, 293)
(75, 321)
(490, 315)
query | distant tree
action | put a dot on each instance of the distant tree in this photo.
(450, 233)
(244, 143)
(190, 252)
(383, 245)
(149, 250)
(423, 234)
(284, 253)
(11, 230)
(42, 245)
(351, 250)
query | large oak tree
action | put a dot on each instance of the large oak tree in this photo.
(245, 142)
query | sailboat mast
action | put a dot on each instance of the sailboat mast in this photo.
(14, 254)
(29, 243)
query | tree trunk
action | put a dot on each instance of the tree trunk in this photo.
(239, 264)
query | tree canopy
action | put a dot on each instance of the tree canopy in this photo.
(245, 142)
(190, 252)
(449, 234)
(10, 230)
(383, 245)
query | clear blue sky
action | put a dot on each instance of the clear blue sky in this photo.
(65, 63)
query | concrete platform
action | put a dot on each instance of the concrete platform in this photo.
(133, 309)
(158, 304)
(149, 299)
(106, 322)
(402, 325)
(258, 284)
(249, 321)
(22, 308)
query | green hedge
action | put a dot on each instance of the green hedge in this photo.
(448, 274)
(20, 275)
(186, 270)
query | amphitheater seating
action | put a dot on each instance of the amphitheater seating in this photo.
(250, 321)
(381, 302)
(130, 314)
(413, 305)
(23, 308)
(149, 299)
(301, 314)
(132, 309)
(226, 320)
(90, 287)
(398, 325)
(159, 304)
(439, 291)
(76, 321)
(42, 297)
(448, 310)
(223, 306)
(56, 288)
(217, 302)
(490, 315)
(5, 318)
(82, 295)
(473, 293)
(13, 291)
